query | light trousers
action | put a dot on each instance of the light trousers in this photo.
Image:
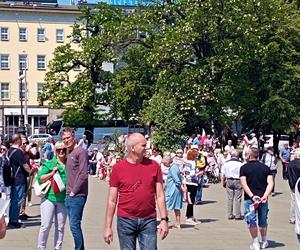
(234, 195)
(52, 211)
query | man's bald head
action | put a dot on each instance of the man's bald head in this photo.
(135, 139)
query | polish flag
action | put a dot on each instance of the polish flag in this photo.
(245, 140)
(203, 137)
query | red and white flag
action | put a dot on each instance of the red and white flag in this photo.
(245, 140)
(203, 137)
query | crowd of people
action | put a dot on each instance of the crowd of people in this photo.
(167, 179)
(61, 168)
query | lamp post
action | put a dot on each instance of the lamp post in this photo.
(21, 129)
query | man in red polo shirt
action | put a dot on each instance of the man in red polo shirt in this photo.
(135, 182)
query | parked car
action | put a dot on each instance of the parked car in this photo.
(269, 141)
(43, 138)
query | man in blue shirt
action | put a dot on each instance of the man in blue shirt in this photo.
(284, 156)
(197, 140)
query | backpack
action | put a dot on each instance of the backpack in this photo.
(201, 162)
(8, 176)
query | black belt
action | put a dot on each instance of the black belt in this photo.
(233, 179)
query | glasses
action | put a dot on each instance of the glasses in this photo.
(58, 150)
(3, 149)
(25, 143)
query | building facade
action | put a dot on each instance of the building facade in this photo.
(28, 36)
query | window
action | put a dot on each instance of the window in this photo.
(39, 88)
(76, 67)
(41, 35)
(4, 91)
(60, 36)
(22, 34)
(4, 61)
(4, 34)
(23, 62)
(41, 62)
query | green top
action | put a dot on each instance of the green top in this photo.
(46, 168)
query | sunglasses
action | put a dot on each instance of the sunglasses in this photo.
(61, 150)
(2, 149)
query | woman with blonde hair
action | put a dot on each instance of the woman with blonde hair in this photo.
(53, 204)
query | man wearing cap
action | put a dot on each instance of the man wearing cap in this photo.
(270, 160)
(231, 180)
(293, 174)
(284, 156)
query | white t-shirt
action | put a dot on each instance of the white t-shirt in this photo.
(231, 168)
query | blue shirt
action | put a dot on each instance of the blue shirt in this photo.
(285, 154)
(196, 141)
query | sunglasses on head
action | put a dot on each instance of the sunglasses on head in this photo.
(61, 149)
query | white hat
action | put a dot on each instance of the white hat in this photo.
(194, 147)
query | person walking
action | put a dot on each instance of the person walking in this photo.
(231, 180)
(257, 182)
(136, 185)
(174, 192)
(77, 184)
(284, 155)
(293, 175)
(270, 160)
(53, 204)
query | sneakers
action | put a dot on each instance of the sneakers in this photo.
(264, 244)
(15, 225)
(191, 221)
(255, 246)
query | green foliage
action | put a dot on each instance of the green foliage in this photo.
(91, 45)
(161, 111)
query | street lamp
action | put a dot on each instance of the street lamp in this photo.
(21, 129)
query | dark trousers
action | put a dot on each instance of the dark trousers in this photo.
(190, 207)
(284, 170)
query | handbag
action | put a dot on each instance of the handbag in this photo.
(41, 189)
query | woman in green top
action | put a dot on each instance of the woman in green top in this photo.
(53, 205)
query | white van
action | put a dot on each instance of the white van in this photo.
(269, 141)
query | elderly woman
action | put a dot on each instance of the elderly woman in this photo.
(174, 189)
(53, 204)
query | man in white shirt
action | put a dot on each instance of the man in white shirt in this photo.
(270, 160)
(229, 147)
(231, 180)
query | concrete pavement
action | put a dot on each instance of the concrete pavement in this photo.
(214, 233)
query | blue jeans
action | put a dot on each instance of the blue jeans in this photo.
(298, 237)
(16, 200)
(75, 206)
(261, 211)
(131, 229)
(198, 198)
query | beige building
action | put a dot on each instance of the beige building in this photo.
(28, 36)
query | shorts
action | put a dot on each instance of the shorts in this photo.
(261, 213)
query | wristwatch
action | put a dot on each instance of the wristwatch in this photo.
(165, 218)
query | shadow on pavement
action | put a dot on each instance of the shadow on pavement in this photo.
(275, 244)
(208, 220)
(277, 193)
(183, 226)
(207, 202)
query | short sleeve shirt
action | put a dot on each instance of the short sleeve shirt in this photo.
(136, 185)
(256, 174)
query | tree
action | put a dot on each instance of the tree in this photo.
(91, 44)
